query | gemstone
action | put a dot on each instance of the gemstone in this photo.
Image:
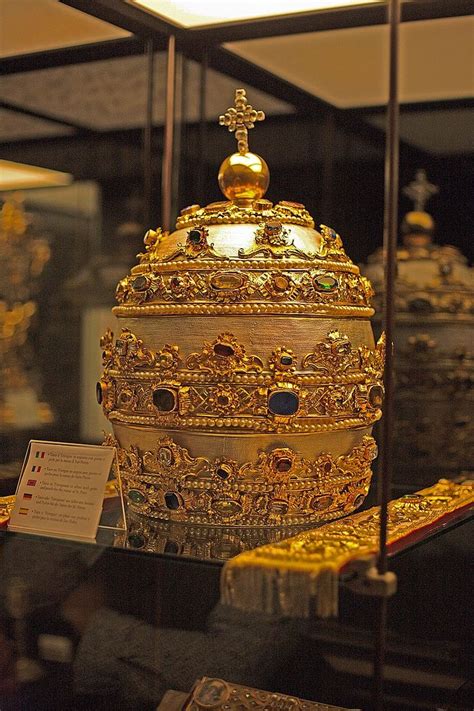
(99, 393)
(359, 500)
(324, 282)
(190, 209)
(223, 400)
(172, 501)
(445, 268)
(376, 396)
(281, 283)
(140, 283)
(176, 283)
(171, 547)
(165, 455)
(195, 236)
(211, 694)
(223, 473)
(226, 281)
(279, 506)
(420, 306)
(222, 349)
(290, 203)
(136, 496)
(164, 399)
(272, 227)
(262, 205)
(136, 540)
(227, 507)
(320, 503)
(286, 360)
(283, 402)
(283, 464)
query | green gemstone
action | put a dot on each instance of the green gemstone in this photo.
(140, 283)
(136, 496)
(195, 236)
(135, 540)
(325, 283)
(227, 507)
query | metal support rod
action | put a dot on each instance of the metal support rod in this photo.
(147, 138)
(167, 165)
(328, 136)
(390, 250)
(202, 127)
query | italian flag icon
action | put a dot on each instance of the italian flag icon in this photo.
(40, 455)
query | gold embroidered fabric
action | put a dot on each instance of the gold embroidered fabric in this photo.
(299, 577)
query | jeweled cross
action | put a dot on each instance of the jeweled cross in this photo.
(420, 190)
(240, 118)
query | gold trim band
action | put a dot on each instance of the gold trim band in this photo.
(257, 309)
(280, 488)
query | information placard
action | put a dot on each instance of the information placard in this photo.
(61, 489)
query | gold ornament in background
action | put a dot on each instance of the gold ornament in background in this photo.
(434, 301)
(303, 571)
(245, 381)
(22, 260)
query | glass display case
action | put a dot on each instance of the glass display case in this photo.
(111, 111)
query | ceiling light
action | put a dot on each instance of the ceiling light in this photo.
(19, 176)
(195, 13)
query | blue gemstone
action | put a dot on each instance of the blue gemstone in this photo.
(98, 393)
(222, 473)
(283, 403)
(171, 500)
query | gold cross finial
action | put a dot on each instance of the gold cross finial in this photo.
(240, 118)
(420, 190)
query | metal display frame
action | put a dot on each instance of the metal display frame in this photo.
(151, 34)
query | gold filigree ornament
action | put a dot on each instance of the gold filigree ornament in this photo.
(229, 347)
(280, 488)
(221, 386)
(272, 240)
(221, 695)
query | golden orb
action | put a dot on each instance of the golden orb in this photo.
(244, 178)
(418, 218)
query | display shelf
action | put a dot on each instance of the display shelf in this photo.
(140, 623)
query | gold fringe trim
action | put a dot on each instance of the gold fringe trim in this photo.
(299, 577)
